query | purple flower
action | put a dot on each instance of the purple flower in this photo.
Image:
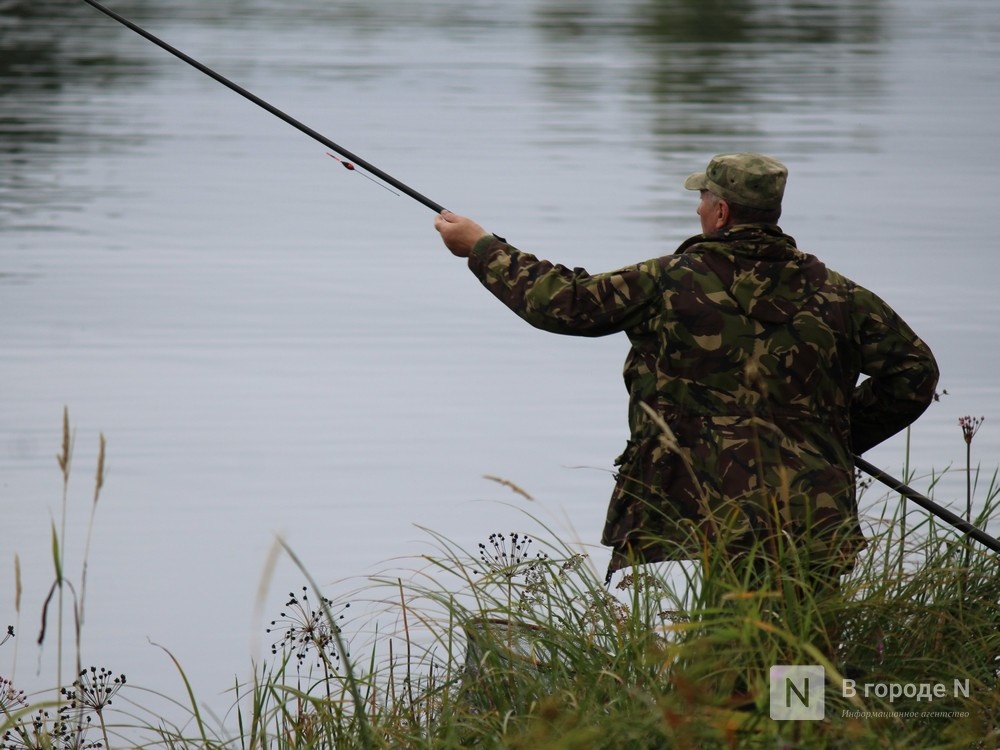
(970, 426)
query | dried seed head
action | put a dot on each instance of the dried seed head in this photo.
(94, 689)
(509, 560)
(306, 630)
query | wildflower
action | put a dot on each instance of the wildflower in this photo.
(642, 581)
(499, 558)
(573, 563)
(10, 699)
(93, 690)
(601, 606)
(970, 426)
(306, 629)
(41, 732)
(676, 616)
(29, 734)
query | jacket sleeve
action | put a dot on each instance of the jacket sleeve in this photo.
(902, 374)
(562, 300)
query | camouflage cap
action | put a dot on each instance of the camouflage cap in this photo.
(751, 180)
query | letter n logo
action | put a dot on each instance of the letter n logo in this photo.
(797, 692)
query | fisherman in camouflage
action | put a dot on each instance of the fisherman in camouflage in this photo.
(744, 401)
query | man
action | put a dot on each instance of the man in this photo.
(745, 406)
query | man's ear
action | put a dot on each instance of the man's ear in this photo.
(721, 213)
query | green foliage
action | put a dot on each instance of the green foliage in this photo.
(520, 644)
(531, 650)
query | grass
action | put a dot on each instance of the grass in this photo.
(518, 644)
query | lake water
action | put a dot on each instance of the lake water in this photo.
(274, 345)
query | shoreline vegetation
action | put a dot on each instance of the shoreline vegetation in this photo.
(519, 644)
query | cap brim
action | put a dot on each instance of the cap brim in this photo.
(696, 181)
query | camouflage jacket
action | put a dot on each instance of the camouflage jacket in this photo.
(750, 351)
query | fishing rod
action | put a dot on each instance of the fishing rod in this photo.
(353, 159)
(927, 504)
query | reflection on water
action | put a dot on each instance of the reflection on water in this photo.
(55, 58)
(708, 72)
(696, 68)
